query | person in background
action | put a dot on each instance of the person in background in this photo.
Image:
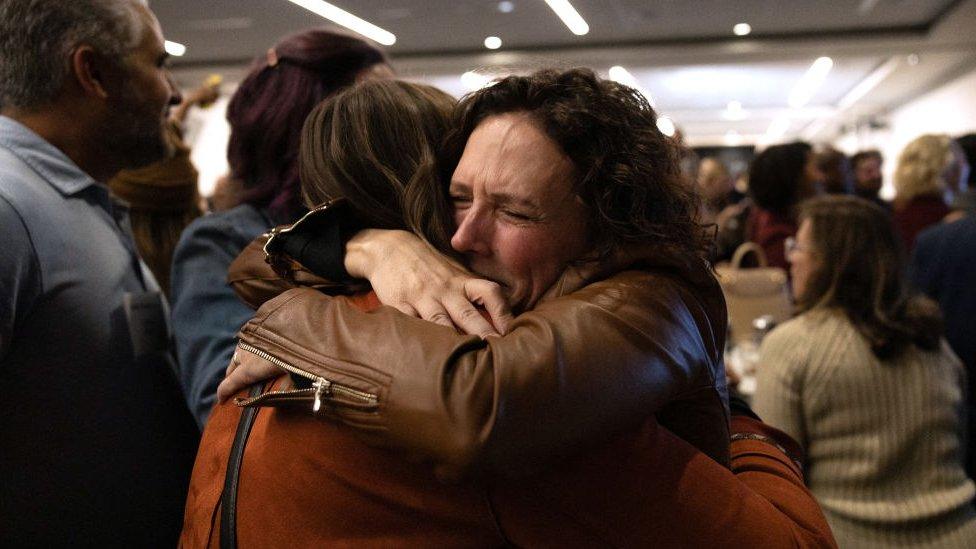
(964, 203)
(226, 194)
(163, 197)
(868, 179)
(863, 379)
(97, 442)
(836, 170)
(266, 115)
(943, 267)
(780, 178)
(930, 173)
(714, 185)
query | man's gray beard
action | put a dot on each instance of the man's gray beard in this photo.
(135, 139)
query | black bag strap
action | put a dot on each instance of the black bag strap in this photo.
(228, 506)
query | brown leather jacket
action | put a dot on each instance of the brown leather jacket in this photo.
(579, 368)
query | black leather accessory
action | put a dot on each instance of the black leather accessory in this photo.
(228, 507)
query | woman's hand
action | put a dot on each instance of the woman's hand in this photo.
(240, 376)
(409, 275)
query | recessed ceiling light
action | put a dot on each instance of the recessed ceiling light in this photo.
(342, 17)
(174, 48)
(493, 42)
(570, 16)
(912, 59)
(506, 7)
(742, 29)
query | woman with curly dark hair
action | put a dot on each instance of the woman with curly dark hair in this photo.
(863, 379)
(558, 181)
(574, 374)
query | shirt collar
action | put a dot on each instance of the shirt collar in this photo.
(46, 159)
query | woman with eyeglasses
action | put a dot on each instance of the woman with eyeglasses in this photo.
(864, 380)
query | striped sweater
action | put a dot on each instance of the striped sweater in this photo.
(883, 439)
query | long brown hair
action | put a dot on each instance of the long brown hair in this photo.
(375, 145)
(862, 272)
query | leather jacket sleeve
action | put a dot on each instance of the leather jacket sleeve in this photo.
(576, 369)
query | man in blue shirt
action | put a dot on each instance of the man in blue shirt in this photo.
(96, 443)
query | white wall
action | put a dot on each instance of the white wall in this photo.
(949, 109)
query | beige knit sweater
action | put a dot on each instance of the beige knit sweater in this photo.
(883, 439)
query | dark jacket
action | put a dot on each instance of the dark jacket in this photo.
(944, 267)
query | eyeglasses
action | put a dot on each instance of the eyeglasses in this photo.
(790, 245)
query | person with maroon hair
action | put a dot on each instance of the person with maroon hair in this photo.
(266, 116)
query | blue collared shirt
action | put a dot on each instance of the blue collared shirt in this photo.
(96, 439)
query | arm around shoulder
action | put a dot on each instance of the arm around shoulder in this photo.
(504, 403)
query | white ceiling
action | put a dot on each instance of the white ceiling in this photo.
(681, 51)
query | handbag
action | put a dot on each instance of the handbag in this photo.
(228, 505)
(751, 293)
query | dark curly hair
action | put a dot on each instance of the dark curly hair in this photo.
(776, 176)
(628, 172)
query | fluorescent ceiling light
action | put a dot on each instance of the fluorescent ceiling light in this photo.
(666, 125)
(869, 83)
(474, 81)
(569, 15)
(810, 82)
(342, 17)
(742, 29)
(174, 48)
(621, 75)
(493, 42)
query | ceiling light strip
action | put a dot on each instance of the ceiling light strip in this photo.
(869, 83)
(569, 16)
(342, 17)
(810, 82)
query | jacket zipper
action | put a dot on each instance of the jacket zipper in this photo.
(320, 386)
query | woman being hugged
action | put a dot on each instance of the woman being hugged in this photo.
(863, 379)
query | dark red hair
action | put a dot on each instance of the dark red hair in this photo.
(267, 111)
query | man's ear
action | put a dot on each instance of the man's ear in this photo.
(90, 71)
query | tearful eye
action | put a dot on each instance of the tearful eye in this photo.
(517, 215)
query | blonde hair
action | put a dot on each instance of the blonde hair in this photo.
(920, 167)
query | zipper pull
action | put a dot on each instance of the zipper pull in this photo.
(321, 386)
